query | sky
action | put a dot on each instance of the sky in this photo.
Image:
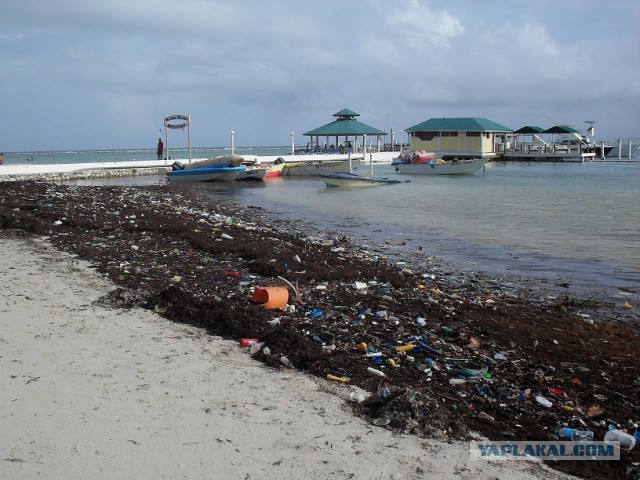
(101, 74)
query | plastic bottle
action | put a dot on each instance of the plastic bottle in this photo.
(384, 391)
(375, 372)
(627, 441)
(286, 361)
(255, 348)
(338, 379)
(575, 435)
(544, 402)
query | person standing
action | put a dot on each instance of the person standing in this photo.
(160, 149)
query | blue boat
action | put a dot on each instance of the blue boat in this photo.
(206, 171)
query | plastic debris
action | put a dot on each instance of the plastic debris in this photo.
(543, 401)
(338, 379)
(376, 372)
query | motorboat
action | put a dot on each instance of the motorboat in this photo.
(253, 172)
(308, 168)
(273, 169)
(220, 169)
(333, 180)
(425, 164)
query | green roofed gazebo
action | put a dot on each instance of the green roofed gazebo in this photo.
(561, 129)
(528, 130)
(344, 127)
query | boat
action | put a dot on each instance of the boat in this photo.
(352, 180)
(273, 169)
(333, 180)
(421, 164)
(309, 168)
(253, 172)
(219, 172)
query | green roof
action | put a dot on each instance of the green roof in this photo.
(458, 124)
(345, 125)
(345, 112)
(560, 129)
(528, 129)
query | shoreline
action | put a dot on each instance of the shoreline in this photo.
(167, 251)
(102, 393)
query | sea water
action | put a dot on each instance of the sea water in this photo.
(133, 154)
(574, 227)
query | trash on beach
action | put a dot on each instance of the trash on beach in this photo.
(356, 397)
(271, 297)
(286, 362)
(376, 372)
(543, 401)
(338, 379)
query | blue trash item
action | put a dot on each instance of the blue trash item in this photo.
(316, 312)
(575, 435)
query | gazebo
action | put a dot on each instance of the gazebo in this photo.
(574, 137)
(536, 141)
(345, 127)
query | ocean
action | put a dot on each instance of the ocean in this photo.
(570, 228)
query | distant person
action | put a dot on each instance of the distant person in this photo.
(1, 158)
(160, 148)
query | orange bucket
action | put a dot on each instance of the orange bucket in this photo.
(271, 297)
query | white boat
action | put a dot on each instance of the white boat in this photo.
(404, 165)
(253, 172)
(333, 180)
(310, 168)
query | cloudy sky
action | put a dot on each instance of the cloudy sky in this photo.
(104, 73)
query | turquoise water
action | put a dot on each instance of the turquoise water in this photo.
(125, 155)
(563, 225)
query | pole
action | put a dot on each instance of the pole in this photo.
(629, 151)
(364, 153)
(293, 144)
(619, 148)
(166, 140)
(602, 150)
(233, 148)
(189, 134)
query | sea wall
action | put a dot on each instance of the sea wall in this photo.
(83, 174)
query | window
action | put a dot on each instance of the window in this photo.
(426, 136)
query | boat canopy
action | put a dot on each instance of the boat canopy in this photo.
(528, 130)
(561, 129)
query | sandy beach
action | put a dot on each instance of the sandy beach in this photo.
(94, 392)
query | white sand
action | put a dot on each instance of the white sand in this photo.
(89, 392)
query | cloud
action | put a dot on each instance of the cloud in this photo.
(266, 68)
(423, 27)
